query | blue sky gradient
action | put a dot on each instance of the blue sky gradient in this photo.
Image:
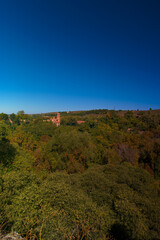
(58, 55)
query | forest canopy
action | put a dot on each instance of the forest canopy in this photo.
(96, 176)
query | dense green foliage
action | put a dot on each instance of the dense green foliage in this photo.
(94, 180)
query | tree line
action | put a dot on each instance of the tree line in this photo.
(95, 180)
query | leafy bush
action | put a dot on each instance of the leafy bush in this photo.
(103, 201)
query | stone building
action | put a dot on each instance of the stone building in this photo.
(56, 120)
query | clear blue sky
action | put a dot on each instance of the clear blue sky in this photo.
(60, 55)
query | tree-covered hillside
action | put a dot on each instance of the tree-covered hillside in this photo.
(96, 176)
